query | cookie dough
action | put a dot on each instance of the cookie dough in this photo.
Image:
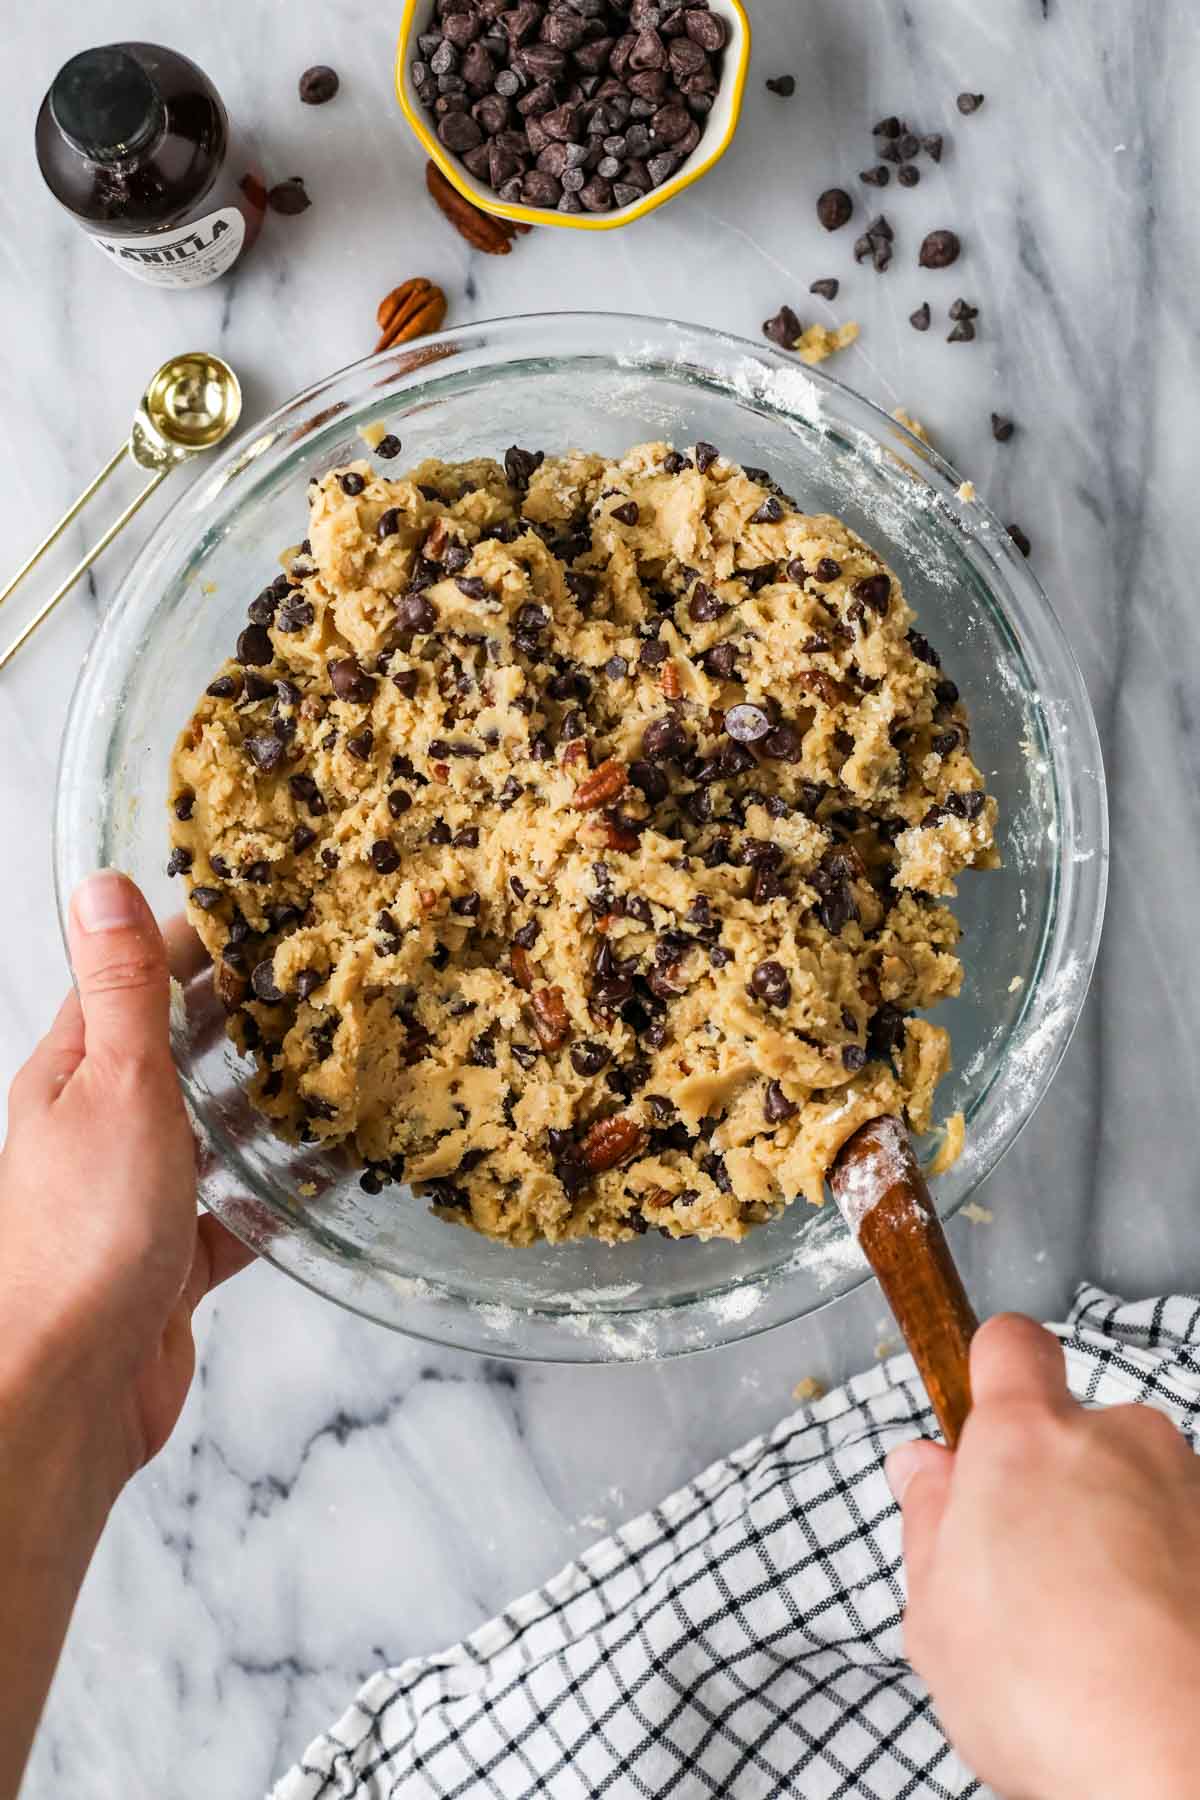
(571, 840)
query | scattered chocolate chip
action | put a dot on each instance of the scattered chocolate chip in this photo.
(389, 446)
(389, 523)
(289, 197)
(826, 287)
(834, 208)
(922, 318)
(652, 653)
(888, 128)
(783, 85)
(318, 84)
(939, 249)
(908, 175)
(783, 328)
(969, 103)
(1019, 539)
(1002, 428)
(963, 333)
(962, 309)
(879, 176)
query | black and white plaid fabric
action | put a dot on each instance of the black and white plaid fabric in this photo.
(743, 1639)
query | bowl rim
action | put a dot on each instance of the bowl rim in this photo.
(450, 1317)
(694, 166)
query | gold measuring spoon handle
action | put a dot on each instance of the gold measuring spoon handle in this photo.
(85, 562)
(73, 512)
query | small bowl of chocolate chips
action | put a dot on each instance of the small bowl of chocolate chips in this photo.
(587, 113)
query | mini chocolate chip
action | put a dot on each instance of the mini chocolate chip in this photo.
(351, 483)
(874, 591)
(616, 668)
(776, 1105)
(769, 513)
(887, 128)
(225, 686)
(1002, 428)
(589, 1057)
(770, 983)
(389, 446)
(969, 103)
(879, 176)
(783, 328)
(827, 569)
(362, 744)
(389, 523)
(920, 320)
(962, 309)
(289, 197)
(939, 249)
(179, 861)
(706, 455)
(1019, 539)
(933, 145)
(783, 85)
(826, 287)
(627, 513)
(854, 1057)
(908, 175)
(398, 802)
(318, 84)
(254, 647)
(303, 837)
(465, 905)
(185, 800)
(385, 856)
(907, 146)
(439, 832)
(653, 652)
(834, 208)
(208, 897)
(963, 333)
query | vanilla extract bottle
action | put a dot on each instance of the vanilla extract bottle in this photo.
(134, 141)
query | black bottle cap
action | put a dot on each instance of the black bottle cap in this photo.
(103, 102)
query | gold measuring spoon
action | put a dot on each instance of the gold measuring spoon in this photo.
(191, 404)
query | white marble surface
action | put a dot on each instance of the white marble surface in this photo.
(335, 1495)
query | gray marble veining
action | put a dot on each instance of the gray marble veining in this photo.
(335, 1496)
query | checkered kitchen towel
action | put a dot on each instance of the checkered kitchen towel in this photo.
(742, 1639)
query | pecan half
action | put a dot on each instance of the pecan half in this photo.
(601, 787)
(411, 310)
(609, 1142)
(550, 1019)
(482, 230)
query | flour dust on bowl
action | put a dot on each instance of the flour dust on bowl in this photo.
(602, 382)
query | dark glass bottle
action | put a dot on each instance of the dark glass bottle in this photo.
(133, 140)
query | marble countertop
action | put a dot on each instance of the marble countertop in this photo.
(336, 1496)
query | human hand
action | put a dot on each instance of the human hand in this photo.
(1054, 1582)
(102, 1257)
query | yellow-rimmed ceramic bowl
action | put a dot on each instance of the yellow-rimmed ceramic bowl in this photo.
(716, 138)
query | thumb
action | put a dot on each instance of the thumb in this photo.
(121, 970)
(919, 1475)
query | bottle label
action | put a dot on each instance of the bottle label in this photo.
(191, 256)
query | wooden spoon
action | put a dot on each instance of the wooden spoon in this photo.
(885, 1202)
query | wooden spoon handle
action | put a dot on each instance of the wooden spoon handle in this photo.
(883, 1196)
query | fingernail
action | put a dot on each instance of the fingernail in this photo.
(900, 1466)
(107, 901)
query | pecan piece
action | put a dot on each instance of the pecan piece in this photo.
(601, 787)
(669, 681)
(411, 310)
(232, 986)
(491, 235)
(550, 1019)
(522, 971)
(618, 837)
(609, 1142)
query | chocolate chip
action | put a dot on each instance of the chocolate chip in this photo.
(318, 84)
(1002, 428)
(303, 837)
(416, 612)
(704, 606)
(653, 652)
(351, 483)
(361, 745)
(206, 898)
(665, 740)
(1019, 539)
(254, 647)
(389, 523)
(826, 287)
(969, 103)
(783, 85)
(519, 465)
(289, 197)
(907, 146)
(920, 320)
(589, 1057)
(933, 146)
(874, 591)
(962, 309)
(706, 455)
(963, 333)
(784, 328)
(185, 800)
(465, 905)
(179, 861)
(746, 724)
(349, 682)
(854, 1057)
(776, 1105)
(627, 513)
(834, 208)
(770, 983)
(385, 857)
(226, 686)
(888, 128)
(389, 446)
(308, 981)
(263, 981)
(616, 668)
(827, 569)
(939, 249)
(908, 175)
(265, 752)
(720, 662)
(879, 176)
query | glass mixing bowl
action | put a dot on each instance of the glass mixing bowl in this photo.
(603, 382)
